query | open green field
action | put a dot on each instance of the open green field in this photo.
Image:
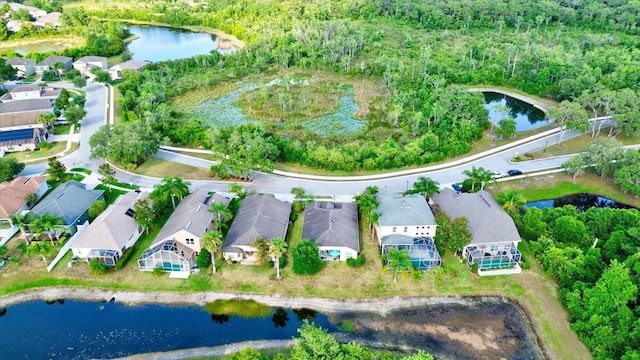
(44, 44)
(160, 168)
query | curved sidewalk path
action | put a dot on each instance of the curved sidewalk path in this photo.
(537, 104)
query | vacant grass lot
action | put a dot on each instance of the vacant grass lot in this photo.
(160, 168)
(45, 44)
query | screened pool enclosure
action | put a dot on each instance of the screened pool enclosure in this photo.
(422, 250)
(168, 255)
(493, 256)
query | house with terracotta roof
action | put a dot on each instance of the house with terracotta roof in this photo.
(48, 63)
(13, 196)
(334, 227)
(135, 65)
(111, 233)
(177, 245)
(24, 67)
(406, 222)
(70, 201)
(259, 217)
(19, 127)
(495, 238)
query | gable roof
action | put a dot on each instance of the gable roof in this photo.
(68, 201)
(332, 224)
(13, 193)
(259, 217)
(89, 59)
(488, 222)
(17, 106)
(16, 61)
(51, 18)
(21, 119)
(54, 59)
(408, 210)
(131, 65)
(111, 229)
(25, 88)
(192, 215)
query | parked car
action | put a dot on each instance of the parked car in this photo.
(498, 175)
(514, 172)
(458, 188)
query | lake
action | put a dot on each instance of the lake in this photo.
(468, 328)
(155, 43)
(582, 201)
(527, 116)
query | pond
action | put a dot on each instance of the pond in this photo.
(582, 201)
(527, 116)
(155, 43)
(69, 329)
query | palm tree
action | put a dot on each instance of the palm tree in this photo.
(48, 224)
(170, 188)
(277, 248)
(398, 261)
(222, 212)
(212, 241)
(425, 186)
(485, 176)
(21, 221)
(237, 189)
(41, 248)
(511, 200)
(473, 174)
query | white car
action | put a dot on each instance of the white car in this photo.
(498, 175)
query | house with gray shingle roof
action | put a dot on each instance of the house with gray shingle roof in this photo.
(47, 64)
(69, 201)
(178, 243)
(136, 65)
(259, 217)
(407, 223)
(111, 233)
(24, 67)
(86, 63)
(495, 239)
(334, 227)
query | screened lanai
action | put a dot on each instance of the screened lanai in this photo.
(422, 250)
(168, 255)
(107, 257)
(493, 256)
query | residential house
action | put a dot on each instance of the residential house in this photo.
(33, 11)
(13, 196)
(334, 227)
(495, 239)
(48, 64)
(24, 67)
(19, 127)
(86, 63)
(111, 233)
(53, 19)
(178, 243)
(259, 217)
(69, 201)
(407, 223)
(136, 65)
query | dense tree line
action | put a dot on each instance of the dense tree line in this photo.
(594, 257)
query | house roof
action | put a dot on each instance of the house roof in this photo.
(14, 192)
(20, 136)
(259, 217)
(17, 106)
(130, 65)
(332, 224)
(21, 119)
(192, 215)
(68, 201)
(89, 59)
(54, 58)
(112, 229)
(52, 18)
(16, 61)
(408, 210)
(488, 222)
(25, 88)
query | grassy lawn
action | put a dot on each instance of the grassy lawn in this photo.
(62, 129)
(110, 195)
(560, 184)
(579, 144)
(38, 154)
(82, 170)
(161, 168)
(43, 44)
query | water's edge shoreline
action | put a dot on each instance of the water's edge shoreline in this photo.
(378, 305)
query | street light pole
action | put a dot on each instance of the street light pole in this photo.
(545, 147)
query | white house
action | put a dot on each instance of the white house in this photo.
(111, 233)
(136, 65)
(24, 67)
(86, 63)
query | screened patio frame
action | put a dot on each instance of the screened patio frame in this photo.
(107, 257)
(423, 252)
(493, 256)
(166, 257)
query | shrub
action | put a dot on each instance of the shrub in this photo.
(357, 262)
(204, 259)
(526, 265)
(283, 262)
(124, 260)
(43, 145)
(157, 271)
(474, 268)
(306, 258)
(96, 267)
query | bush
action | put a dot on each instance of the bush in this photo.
(526, 265)
(157, 271)
(204, 259)
(43, 145)
(306, 258)
(283, 262)
(124, 260)
(357, 262)
(474, 268)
